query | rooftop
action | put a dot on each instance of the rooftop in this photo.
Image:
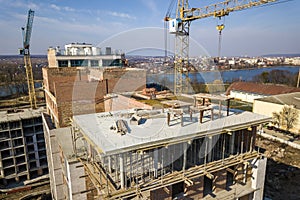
(154, 131)
(284, 99)
(16, 115)
(259, 88)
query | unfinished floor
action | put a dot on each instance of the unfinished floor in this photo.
(156, 157)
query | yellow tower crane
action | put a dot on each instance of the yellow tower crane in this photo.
(180, 26)
(25, 51)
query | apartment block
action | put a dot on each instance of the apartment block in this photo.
(85, 55)
(182, 152)
(22, 146)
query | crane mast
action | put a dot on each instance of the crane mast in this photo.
(25, 51)
(180, 26)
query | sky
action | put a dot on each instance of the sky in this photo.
(136, 25)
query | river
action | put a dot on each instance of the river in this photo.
(200, 77)
(225, 76)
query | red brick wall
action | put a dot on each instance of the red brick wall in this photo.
(75, 94)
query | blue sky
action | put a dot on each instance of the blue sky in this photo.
(137, 24)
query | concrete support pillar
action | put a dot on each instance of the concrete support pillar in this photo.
(155, 158)
(109, 164)
(181, 119)
(185, 146)
(220, 109)
(142, 163)
(209, 148)
(69, 63)
(122, 170)
(4, 181)
(232, 139)
(258, 180)
(245, 173)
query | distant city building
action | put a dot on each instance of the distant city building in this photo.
(248, 91)
(84, 55)
(292, 61)
(266, 106)
(22, 146)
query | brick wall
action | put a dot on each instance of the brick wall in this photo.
(76, 93)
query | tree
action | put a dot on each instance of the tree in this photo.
(277, 119)
(287, 117)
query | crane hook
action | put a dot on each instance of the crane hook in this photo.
(220, 28)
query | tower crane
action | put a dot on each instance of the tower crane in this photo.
(26, 32)
(180, 26)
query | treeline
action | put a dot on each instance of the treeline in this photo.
(277, 77)
(13, 80)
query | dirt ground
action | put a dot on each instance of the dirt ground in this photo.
(22, 194)
(283, 170)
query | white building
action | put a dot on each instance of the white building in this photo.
(84, 55)
(248, 91)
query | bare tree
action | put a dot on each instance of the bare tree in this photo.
(277, 119)
(287, 117)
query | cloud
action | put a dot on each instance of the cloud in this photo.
(121, 15)
(65, 8)
(150, 4)
(69, 9)
(55, 7)
(21, 4)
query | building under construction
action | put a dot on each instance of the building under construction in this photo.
(22, 146)
(186, 151)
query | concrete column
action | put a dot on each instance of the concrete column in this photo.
(220, 109)
(209, 148)
(231, 143)
(258, 180)
(155, 158)
(109, 164)
(181, 119)
(122, 170)
(143, 167)
(69, 63)
(245, 173)
(184, 155)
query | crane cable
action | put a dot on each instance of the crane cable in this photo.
(220, 27)
(167, 17)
